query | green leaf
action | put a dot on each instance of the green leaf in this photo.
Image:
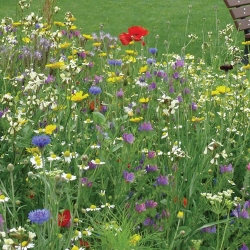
(98, 117)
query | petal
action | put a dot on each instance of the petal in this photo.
(125, 38)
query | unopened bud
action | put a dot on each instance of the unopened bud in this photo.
(10, 167)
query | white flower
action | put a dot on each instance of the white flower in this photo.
(53, 157)
(97, 162)
(24, 246)
(93, 208)
(37, 162)
(88, 121)
(68, 177)
(3, 198)
(107, 205)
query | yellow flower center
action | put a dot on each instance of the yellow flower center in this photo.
(93, 207)
(24, 243)
(2, 197)
(66, 153)
(68, 176)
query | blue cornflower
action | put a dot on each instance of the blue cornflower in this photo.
(95, 90)
(162, 180)
(152, 50)
(151, 61)
(41, 140)
(39, 216)
(115, 62)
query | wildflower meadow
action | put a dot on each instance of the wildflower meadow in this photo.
(109, 142)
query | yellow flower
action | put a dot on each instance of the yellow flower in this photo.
(78, 96)
(103, 54)
(143, 69)
(64, 45)
(223, 89)
(115, 79)
(73, 27)
(136, 119)
(34, 151)
(75, 248)
(49, 129)
(16, 24)
(59, 24)
(97, 44)
(132, 59)
(246, 66)
(26, 40)
(56, 65)
(87, 37)
(215, 92)
(134, 239)
(72, 19)
(144, 100)
(180, 215)
(131, 52)
(196, 119)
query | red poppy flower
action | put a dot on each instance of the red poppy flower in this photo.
(64, 218)
(185, 202)
(135, 33)
(84, 244)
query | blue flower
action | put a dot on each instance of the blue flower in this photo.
(152, 50)
(39, 216)
(94, 90)
(115, 62)
(41, 140)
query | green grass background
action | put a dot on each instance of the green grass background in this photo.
(118, 15)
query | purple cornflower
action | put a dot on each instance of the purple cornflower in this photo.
(146, 126)
(178, 64)
(95, 90)
(151, 154)
(179, 98)
(50, 79)
(150, 168)
(85, 182)
(176, 75)
(152, 86)
(97, 79)
(115, 62)
(148, 222)
(91, 165)
(244, 247)
(194, 106)
(41, 140)
(150, 204)
(162, 180)
(211, 230)
(129, 177)
(225, 169)
(120, 93)
(140, 207)
(81, 54)
(186, 91)
(148, 75)
(39, 216)
(129, 138)
(152, 51)
(241, 213)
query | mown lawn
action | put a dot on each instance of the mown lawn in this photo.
(173, 21)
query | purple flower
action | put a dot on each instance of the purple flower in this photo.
(152, 86)
(211, 230)
(178, 64)
(148, 222)
(120, 93)
(150, 204)
(91, 165)
(41, 140)
(85, 182)
(146, 126)
(39, 216)
(152, 50)
(194, 106)
(240, 213)
(244, 247)
(148, 75)
(151, 154)
(140, 207)
(225, 169)
(95, 90)
(162, 180)
(149, 168)
(50, 79)
(179, 98)
(129, 138)
(129, 177)
(176, 75)
(186, 91)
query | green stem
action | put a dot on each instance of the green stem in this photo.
(175, 234)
